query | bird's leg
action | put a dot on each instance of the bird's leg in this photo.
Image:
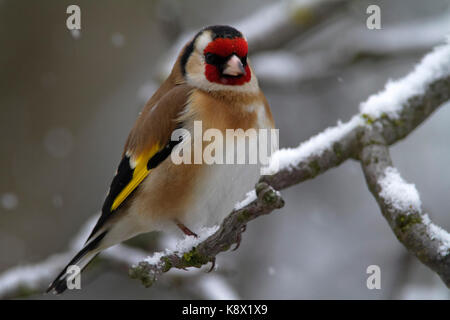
(239, 237)
(213, 264)
(185, 229)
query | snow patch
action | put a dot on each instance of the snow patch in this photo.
(184, 245)
(390, 101)
(398, 193)
(439, 234)
(315, 146)
(190, 242)
(249, 198)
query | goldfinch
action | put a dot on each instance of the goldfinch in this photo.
(211, 82)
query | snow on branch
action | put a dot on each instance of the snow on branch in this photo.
(401, 206)
(391, 100)
(420, 93)
(394, 117)
(397, 193)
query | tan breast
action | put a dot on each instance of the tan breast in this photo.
(229, 110)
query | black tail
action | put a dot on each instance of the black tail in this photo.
(81, 259)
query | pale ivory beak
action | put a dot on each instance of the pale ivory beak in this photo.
(234, 67)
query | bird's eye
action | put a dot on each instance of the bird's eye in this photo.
(209, 57)
(214, 59)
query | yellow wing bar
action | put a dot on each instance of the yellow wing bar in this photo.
(139, 173)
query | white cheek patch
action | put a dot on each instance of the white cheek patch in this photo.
(195, 64)
(202, 41)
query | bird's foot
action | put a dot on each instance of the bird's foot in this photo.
(239, 237)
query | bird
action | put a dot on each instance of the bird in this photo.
(212, 82)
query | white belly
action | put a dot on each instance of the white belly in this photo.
(216, 197)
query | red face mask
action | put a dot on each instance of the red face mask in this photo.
(225, 47)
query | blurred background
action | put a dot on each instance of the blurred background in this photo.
(68, 100)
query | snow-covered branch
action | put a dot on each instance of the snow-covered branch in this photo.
(397, 110)
(401, 206)
(385, 118)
